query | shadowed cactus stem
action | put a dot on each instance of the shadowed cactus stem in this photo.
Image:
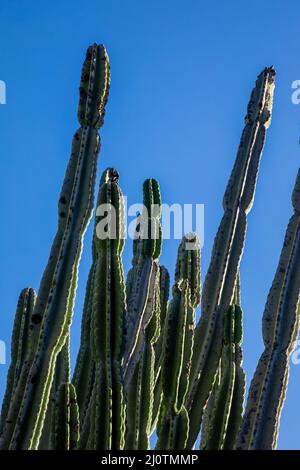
(280, 327)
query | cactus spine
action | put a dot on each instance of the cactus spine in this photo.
(220, 280)
(280, 329)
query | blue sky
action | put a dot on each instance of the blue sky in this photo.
(182, 72)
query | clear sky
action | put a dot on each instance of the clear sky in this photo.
(182, 72)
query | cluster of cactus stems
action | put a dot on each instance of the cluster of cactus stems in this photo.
(144, 366)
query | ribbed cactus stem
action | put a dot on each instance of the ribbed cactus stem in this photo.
(143, 277)
(280, 329)
(84, 374)
(164, 284)
(54, 306)
(221, 277)
(140, 394)
(66, 418)
(108, 316)
(178, 346)
(21, 349)
(226, 408)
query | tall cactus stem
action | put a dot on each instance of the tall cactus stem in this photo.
(221, 277)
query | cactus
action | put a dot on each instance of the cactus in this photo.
(280, 326)
(54, 305)
(108, 318)
(21, 349)
(164, 284)
(143, 321)
(178, 346)
(143, 277)
(84, 373)
(66, 418)
(220, 280)
(142, 365)
(225, 410)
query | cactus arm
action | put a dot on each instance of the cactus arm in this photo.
(143, 277)
(138, 318)
(236, 412)
(164, 282)
(133, 407)
(173, 424)
(86, 428)
(143, 322)
(108, 316)
(140, 394)
(20, 347)
(57, 290)
(83, 376)
(173, 431)
(267, 391)
(225, 405)
(61, 375)
(66, 418)
(146, 394)
(227, 250)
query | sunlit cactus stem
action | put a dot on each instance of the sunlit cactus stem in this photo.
(221, 277)
(84, 373)
(142, 278)
(280, 329)
(66, 418)
(143, 321)
(173, 423)
(220, 428)
(164, 283)
(108, 316)
(21, 351)
(55, 301)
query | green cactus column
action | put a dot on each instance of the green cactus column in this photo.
(84, 374)
(21, 351)
(164, 284)
(225, 410)
(220, 280)
(173, 423)
(143, 287)
(280, 326)
(66, 418)
(142, 278)
(54, 305)
(108, 316)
